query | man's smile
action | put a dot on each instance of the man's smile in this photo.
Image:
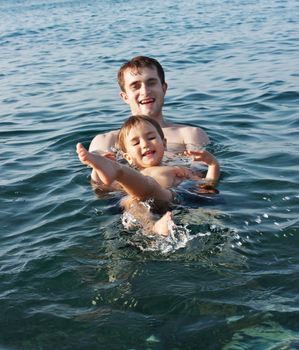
(147, 101)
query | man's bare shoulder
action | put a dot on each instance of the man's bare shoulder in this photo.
(186, 134)
(103, 142)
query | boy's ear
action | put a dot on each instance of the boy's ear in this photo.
(165, 143)
(128, 158)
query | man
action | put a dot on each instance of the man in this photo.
(143, 87)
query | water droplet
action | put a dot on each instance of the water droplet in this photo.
(258, 220)
(152, 339)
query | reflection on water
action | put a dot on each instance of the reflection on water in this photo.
(266, 335)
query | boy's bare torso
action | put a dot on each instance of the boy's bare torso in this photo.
(169, 176)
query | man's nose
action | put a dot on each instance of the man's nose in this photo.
(144, 89)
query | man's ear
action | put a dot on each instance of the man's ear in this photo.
(164, 86)
(128, 158)
(124, 96)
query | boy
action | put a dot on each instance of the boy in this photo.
(142, 142)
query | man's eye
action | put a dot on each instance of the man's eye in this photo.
(135, 87)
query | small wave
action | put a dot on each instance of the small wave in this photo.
(283, 97)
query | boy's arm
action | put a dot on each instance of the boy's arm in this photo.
(206, 157)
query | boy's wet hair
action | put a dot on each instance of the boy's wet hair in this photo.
(133, 121)
(137, 63)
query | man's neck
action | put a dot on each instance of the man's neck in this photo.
(163, 123)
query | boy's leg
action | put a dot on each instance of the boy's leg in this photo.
(142, 214)
(133, 182)
(164, 224)
(106, 169)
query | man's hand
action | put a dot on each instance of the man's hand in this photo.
(109, 155)
(183, 172)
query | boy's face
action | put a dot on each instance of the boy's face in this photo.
(144, 92)
(144, 146)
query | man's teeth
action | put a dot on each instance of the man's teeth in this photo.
(144, 102)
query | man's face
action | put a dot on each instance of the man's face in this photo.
(144, 92)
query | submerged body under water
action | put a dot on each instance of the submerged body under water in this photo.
(71, 276)
(188, 195)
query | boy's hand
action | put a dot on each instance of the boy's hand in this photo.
(206, 157)
(202, 156)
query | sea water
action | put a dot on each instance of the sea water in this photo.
(71, 275)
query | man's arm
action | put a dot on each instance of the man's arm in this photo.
(194, 136)
(103, 144)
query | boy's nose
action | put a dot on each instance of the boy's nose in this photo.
(144, 143)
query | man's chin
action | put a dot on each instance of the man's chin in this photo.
(147, 110)
(149, 113)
